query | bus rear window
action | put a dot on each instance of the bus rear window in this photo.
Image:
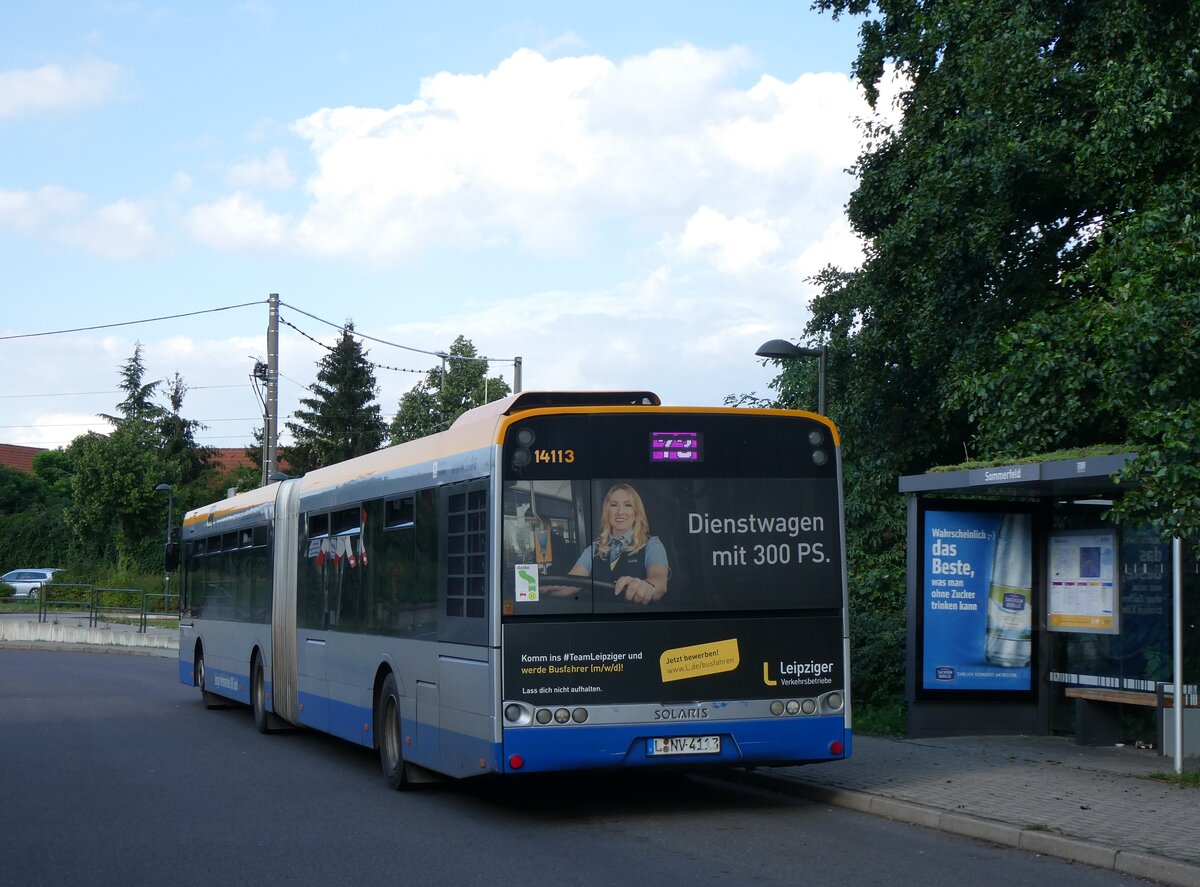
(670, 512)
(685, 545)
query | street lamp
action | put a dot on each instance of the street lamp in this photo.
(170, 491)
(781, 349)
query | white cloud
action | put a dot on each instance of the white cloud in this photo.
(122, 230)
(550, 155)
(732, 245)
(838, 245)
(713, 201)
(564, 42)
(53, 88)
(731, 197)
(50, 430)
(272, 171)
(237, 223)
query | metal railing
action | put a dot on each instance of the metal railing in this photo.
(133, 602)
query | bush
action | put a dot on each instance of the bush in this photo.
(38, 537)
(882, 717)
(877, 644)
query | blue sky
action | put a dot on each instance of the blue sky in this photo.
(626, 195)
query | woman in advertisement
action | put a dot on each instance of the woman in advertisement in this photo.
(625, 553)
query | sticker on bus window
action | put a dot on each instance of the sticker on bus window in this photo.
(699, 660)
(527, 582)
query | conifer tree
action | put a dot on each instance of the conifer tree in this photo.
(341, 419)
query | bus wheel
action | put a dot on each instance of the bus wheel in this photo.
(258, 696)
(211, 700)
(387, 721)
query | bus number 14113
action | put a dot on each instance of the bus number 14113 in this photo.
(565, 457)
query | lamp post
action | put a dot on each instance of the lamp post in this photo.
(781, 349)
(170, 491)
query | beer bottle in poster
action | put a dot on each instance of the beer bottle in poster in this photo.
(1010, 611)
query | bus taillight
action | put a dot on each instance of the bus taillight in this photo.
(516, 762)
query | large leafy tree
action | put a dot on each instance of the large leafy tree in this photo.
(341, 419)
(1034, 135)
(53, 467)
(1029, 278)
(32, 530)
(446, 393)
(19, 491)
(178, 437)
(115, 510)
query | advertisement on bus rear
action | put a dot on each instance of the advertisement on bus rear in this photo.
(624, 661)
(612, 545)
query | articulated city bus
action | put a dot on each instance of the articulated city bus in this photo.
(559, 581)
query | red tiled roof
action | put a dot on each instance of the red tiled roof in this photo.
(229, 458)
(19, 458)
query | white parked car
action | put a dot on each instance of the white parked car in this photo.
(25, 583)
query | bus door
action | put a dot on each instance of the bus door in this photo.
(284, 687)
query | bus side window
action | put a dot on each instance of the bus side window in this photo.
(402, 575)
(465, 561)
(345, 599)
(311, 583)
(400, 514)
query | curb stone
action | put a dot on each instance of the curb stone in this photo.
(1047, 843)
(31, 635)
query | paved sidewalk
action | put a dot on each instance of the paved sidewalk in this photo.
(1044, 794)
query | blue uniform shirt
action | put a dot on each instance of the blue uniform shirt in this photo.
(653, 554)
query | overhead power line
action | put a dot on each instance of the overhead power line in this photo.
(113, 391)
(106, 326)
(442, 355)
(81, 424)
(330, 349)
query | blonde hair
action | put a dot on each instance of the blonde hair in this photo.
(641, 526)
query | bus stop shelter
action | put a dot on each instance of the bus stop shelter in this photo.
(1030, 612)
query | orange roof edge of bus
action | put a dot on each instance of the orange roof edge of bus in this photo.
(531, 400)
(492, 415)
(506, 418)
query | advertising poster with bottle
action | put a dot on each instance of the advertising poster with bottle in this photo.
(977, 601)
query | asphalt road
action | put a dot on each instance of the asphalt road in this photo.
(114, 773)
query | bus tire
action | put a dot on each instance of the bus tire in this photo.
(391, 741)
(211, 700)
(258, 696)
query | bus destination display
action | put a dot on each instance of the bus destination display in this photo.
(676, 446)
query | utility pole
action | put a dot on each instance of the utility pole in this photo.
(442, 391)
(271, 419)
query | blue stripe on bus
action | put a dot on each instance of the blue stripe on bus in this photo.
(570, 747)
(224, 683)
(455, 754)
(340, 719)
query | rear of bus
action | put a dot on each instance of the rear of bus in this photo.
(673, 589)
